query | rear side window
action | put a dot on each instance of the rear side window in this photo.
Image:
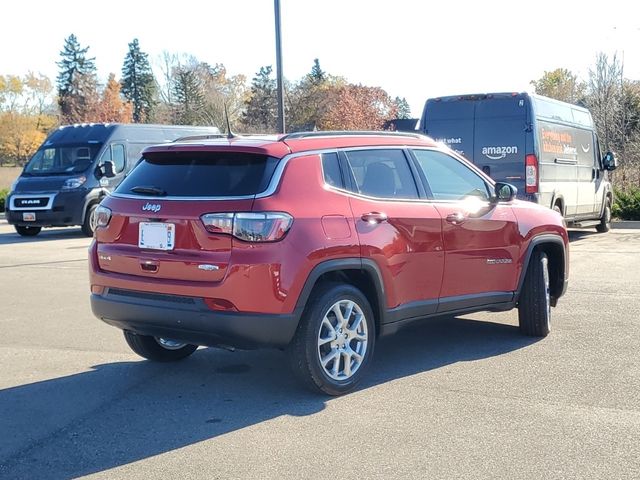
(382, 173)
(200, 174)
(331, 170)
(449, 178)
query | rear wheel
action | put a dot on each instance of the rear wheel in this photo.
(557, 208)
(335, 340)
(534, 307)
(89, 224)
(158, 349)
(605, 220)
(27, 231)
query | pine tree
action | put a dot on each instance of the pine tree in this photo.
(404, 110)
(262, 104)
(138, 83)
(77, 82)
(317, 75)
(189, 99)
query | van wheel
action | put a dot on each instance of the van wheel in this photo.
(556, 208)
(89, 224)
(27, 231)
(534, 307)
(335, 340)
(605, 220)
(158, 349)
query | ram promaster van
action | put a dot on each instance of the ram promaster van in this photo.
(76, 167)
(547, 149)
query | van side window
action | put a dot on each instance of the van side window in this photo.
(382, 173)
(116, 155)
(449, 178)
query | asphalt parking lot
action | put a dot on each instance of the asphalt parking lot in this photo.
(464, 398)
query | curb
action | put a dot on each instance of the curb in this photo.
(626, 224)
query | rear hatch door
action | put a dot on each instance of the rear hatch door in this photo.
(156, 228)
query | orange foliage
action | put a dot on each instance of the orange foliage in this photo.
(111, 107)
(356, 107)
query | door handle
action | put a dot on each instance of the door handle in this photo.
(374, 217)
(149, 266)
(456, 218)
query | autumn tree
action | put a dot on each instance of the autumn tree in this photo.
(110, 107)
(77, 82)
(25, 115)
(138, 83)
(560, 84)
(261, 106)
(357, 107)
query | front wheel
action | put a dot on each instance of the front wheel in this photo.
(605, 221)
(335, 340)
(89, 224)
(534, 307)
(158, 349)
(27, 231)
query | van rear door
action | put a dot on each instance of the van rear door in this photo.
(500, 138)
(450, 121)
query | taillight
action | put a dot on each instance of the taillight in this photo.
(531, 174)
(249, 226)
(103, 216)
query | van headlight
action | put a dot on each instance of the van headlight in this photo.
(74, 182)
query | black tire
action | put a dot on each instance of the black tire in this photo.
(27, 231)
(605, 220)
(151, 348)
(556, 208)
(305, 350)
(534, 306)
(89, 222)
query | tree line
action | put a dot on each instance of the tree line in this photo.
(187, 91)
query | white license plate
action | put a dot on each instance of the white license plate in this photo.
(28, 217)
(156, 235)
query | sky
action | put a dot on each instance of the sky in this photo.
(411, 48)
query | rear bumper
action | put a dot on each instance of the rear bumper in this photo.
(188, 319)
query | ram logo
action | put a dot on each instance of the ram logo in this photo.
(496, 153)
(152, 207)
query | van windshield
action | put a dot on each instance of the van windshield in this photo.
(62, 159)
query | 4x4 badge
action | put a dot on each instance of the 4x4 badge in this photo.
(152, 207)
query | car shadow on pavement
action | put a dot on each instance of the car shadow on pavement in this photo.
(123, 412)
(46, 235)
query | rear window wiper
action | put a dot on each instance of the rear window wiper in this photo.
(149, 190)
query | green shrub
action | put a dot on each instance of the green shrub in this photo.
(626, 204)
(3, 196)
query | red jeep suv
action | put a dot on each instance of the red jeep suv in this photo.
(317, 243)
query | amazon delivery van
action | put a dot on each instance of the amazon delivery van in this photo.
(548, 149)
(76, 166)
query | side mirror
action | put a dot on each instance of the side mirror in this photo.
(106, 169)
(505, 192)
(609, 161)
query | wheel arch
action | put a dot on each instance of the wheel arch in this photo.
(554, 247)
(363, 274)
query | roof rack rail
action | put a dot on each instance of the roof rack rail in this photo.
(207, 136)
(349, 133)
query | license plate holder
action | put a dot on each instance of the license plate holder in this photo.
(156, 235)
(28, 216)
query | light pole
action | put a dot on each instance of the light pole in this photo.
(280, 86)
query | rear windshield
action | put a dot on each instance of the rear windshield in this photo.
(199, 174)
